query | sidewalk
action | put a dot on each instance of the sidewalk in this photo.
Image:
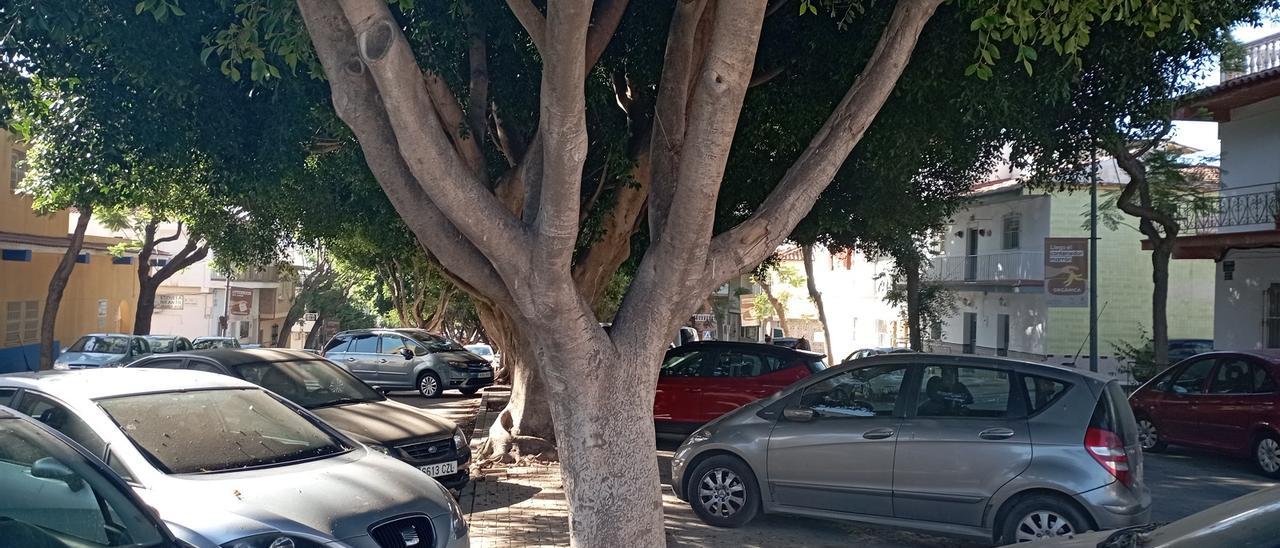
(524, 507)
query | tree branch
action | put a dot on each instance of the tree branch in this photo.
(477, 57)
(177, 234)
(532, 21)
(749, 243)
(465, 142)
(190, 254)
(680, 62)
(604, 23)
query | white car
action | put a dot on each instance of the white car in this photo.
(484, 351)
(228, 464)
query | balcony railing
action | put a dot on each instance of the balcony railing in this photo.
(1259, 55)
(1242, 209)
(1008, 268)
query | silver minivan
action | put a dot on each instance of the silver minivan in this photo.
(988, 448)
(398, 359)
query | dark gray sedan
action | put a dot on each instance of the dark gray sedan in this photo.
(987, 448)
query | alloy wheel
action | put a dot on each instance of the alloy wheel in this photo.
(721, 492)
(1043, 524)
(1268, 454)
(1148, 436)
(429, 386)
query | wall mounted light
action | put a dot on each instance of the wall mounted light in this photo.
(960, 234)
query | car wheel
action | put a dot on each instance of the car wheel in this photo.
(468, 391)
(723, 492)
(1149, 437)
(1041, 516)
(429, 385)
(1266, 455)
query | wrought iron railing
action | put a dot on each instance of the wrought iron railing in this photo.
(1236, 210)
(1007, 266)
(1259, 55)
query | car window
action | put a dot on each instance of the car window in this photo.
(309, 383)
(338, 344)
(1042, 391)
(1240, 376)
(1191, 379)
(202, 431)
(54, 497)
(138, 346)
(954, 391)
(364, 344)
(732, 363)
(162, 364)
(687, 364)
(101, 345)
(864, 392)
(392, 344)
(201, 365)
(58, 417)
(6, 396)
(183, 345)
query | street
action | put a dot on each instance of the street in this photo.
(1182, 482)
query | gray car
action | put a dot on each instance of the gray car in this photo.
(986, 448)
(103, 350)
(226, 463)
(398, 359)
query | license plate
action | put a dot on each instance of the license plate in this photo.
(441, 469)
(486, 374)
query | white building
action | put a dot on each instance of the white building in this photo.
(1243, 235)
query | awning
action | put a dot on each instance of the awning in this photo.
(1214, 246)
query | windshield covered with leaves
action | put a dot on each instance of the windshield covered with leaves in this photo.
(309, 383)
(94, 344)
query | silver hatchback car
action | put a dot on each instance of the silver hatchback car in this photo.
(987, 448)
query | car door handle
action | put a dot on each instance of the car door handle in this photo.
(878, 433)
(351, 359)
(996, 434)
(383, 360)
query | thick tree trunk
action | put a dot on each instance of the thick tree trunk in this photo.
(286, 329)
(57, 285)
(807, 252)
(523, 429)
(314, 333)
(913, 307)
(1160, 302)
(146, 305)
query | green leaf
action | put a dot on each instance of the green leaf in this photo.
(137, 10)
(204, 54)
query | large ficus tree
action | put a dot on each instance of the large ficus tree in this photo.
(521, 255)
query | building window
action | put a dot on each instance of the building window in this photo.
(122, 260)
(1012, 231)
(17, 168)
(935, 331)
(23, 255)
(21, 322)
(82, 258)
(970, 333)
(1271, 323)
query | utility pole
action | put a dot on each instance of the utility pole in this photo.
(1093, 260)
(225, 324)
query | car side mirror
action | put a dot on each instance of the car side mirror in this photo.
(799, 413)
(380, 389)
(51, 468)
(406, 352)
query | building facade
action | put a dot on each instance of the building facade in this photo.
(1241, 235)
(992, 256)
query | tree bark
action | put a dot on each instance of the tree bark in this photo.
(149, 281)
(778, 309)
(811, 282)
(58, 285)
(314, 333)
(1160, 303)
(523, 430)
(914, 332)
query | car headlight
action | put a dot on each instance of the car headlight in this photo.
(701, 435)
(378, 448)
(273, 540)
(460, 439)
(457, 523)
(61, 366)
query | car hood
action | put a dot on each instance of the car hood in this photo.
(385, 422)
(335, 498)
(89, 358)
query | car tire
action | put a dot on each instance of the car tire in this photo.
(1266, 455)
(429, 385)
(468, 391)
(1149, 436)
(732, 497)
(1041, 516)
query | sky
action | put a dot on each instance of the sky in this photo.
(1204, 135)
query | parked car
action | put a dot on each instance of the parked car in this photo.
(227, 463)
(427, 441)
(102, 350)
(1251, 521)
(397, 359)
(162, 344)
(703, 380)
(995, 449)
(483, 350)
(57, 495)
(1181, 349)
(868, 352)
(1219, 401)
(205, 343)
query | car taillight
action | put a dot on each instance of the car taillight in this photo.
(1107, 448)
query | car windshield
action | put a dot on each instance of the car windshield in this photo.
(480, 350)
(161, 345)
(54, 497)
(219, 430)
(205, 344)
(97, 344)
(433, 343)
(309, 383)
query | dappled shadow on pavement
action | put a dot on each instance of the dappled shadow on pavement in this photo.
(492, 495)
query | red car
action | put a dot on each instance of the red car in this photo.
(1220, 401)
(700, 381)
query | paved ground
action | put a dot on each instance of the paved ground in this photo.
(453, 405)
(524, 506)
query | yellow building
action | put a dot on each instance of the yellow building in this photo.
(99, 297)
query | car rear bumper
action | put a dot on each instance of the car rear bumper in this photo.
(1115, 506)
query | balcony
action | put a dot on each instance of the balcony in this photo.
(1259, 55)
(1007, 268)
(1241, 209)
